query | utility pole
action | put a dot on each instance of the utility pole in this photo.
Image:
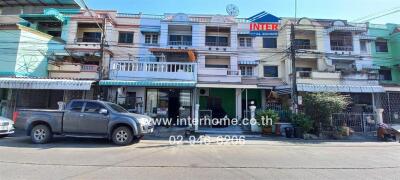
(101, 69)
(103, 40)
(294, 72)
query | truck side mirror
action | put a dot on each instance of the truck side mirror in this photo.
(103, 111)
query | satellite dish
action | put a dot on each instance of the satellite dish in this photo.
(232, 10)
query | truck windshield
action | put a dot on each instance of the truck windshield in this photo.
(117, 108)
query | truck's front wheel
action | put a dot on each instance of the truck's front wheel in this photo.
(41, 134)
(122, 136)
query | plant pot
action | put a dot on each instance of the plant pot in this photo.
(267, 130)
(298, 132)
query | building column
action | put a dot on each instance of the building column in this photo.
(238, 97)
(164, 35)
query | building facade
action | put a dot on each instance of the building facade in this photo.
(176, 64)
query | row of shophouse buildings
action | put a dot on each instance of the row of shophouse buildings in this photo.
(166, 65)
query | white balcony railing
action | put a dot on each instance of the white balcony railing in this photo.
(74, 71)
(157, 70)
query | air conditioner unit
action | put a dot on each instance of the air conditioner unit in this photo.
(204, 92)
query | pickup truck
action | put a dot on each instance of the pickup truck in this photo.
(84, 118)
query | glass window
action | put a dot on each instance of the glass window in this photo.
(269, 43)
(91, 37)
(245, 42)
(147, 39)
(385, 74)
(151, 102)
(249, 42)
(154, 39)
(246, 70)
(242, 42)
(270, 71)
(92, 107)
(363, 46)
(77, 106)
(125, 37)
(381, 46)
(117, 108)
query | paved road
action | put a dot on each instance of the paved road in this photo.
(69, 158)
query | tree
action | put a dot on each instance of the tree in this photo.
(321, 106)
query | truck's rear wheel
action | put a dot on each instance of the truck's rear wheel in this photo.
(41, 134)
(122, 136)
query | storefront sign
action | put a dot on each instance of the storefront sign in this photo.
(264, 24)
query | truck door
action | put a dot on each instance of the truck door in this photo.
(92, 121)
(72, 116)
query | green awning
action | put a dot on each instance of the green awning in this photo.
(148, 83)
(49, 14)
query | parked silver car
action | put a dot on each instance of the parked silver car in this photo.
(6, 127)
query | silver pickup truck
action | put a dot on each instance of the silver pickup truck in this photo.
(84, 118)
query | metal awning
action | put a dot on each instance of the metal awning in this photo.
(150, 30)
(69, 3)
(48, 15)
(248, 62)
(339, 88)
(148, 83)
(330, 88)
(61, 84)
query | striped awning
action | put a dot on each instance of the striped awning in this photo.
(248, 62)
(59, 84)
(331, 88)
(148, 83)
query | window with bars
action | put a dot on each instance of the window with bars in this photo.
(151, 39)
(245, 42)
(246, 70)
(125, 37)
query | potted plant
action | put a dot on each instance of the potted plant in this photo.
(302, 124)
(266, 120)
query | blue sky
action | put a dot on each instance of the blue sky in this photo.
(335, 9)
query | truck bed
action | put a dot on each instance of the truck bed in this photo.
(53, 117)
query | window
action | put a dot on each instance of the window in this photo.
(216, 41)
(303, 69)
(302, 43)
(91, 37)
(246, 42)
(270, 71)
(217, 62)
(151, 39)
(269, 43)
(92, 107)
(381, 46)
(180, 40)
(125, 37)
(363, 46)
(117, 108)
(77, 106)
(341, 41)
(385, 74)
(246, 70)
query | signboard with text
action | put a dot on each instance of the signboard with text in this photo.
(264, 24)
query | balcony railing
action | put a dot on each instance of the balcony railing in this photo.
(217, 44)
(89, 39)
(306, 47)
(342, 48)
(156, 70)
(73, 70)
(89, 68)
(234, 73)
(180, 43)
